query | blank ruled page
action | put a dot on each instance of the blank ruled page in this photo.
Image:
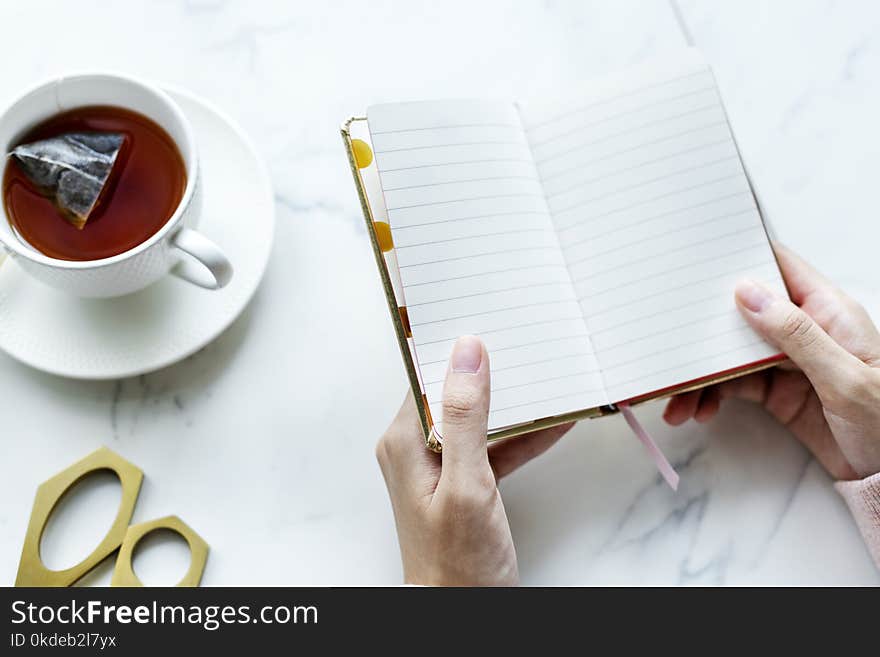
(657, 223)
(478, 253)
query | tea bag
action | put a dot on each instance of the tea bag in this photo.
(72, 168)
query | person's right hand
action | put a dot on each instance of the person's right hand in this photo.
(830, 397)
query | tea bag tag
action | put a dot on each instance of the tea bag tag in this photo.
(72, 169)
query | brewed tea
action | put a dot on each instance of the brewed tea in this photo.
(142, 191)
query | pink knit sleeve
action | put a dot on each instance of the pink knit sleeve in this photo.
(863, 499)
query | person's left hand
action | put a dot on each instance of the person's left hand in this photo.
(450, 519)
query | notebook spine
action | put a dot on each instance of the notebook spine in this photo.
(399, 315)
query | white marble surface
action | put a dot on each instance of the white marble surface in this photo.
(263, 442)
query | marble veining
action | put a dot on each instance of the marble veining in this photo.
(263, 441)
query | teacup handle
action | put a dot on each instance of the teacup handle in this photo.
(213, 270)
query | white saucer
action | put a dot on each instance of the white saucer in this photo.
(158, 326)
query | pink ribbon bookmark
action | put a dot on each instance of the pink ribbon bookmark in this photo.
(663, 465)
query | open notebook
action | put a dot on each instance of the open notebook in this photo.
(593, 244)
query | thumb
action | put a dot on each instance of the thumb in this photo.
(827, 365)
(466, 410)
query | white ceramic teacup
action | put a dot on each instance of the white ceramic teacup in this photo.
(176, 247)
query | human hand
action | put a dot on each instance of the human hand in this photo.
(829, 394)
(451, 523)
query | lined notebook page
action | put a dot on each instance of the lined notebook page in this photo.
(657, 223)
(478, 254)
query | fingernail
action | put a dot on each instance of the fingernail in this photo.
(467, 354)
(753, 296)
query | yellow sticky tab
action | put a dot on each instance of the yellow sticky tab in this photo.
(404, 319)
(363, 155)
(383, 236)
